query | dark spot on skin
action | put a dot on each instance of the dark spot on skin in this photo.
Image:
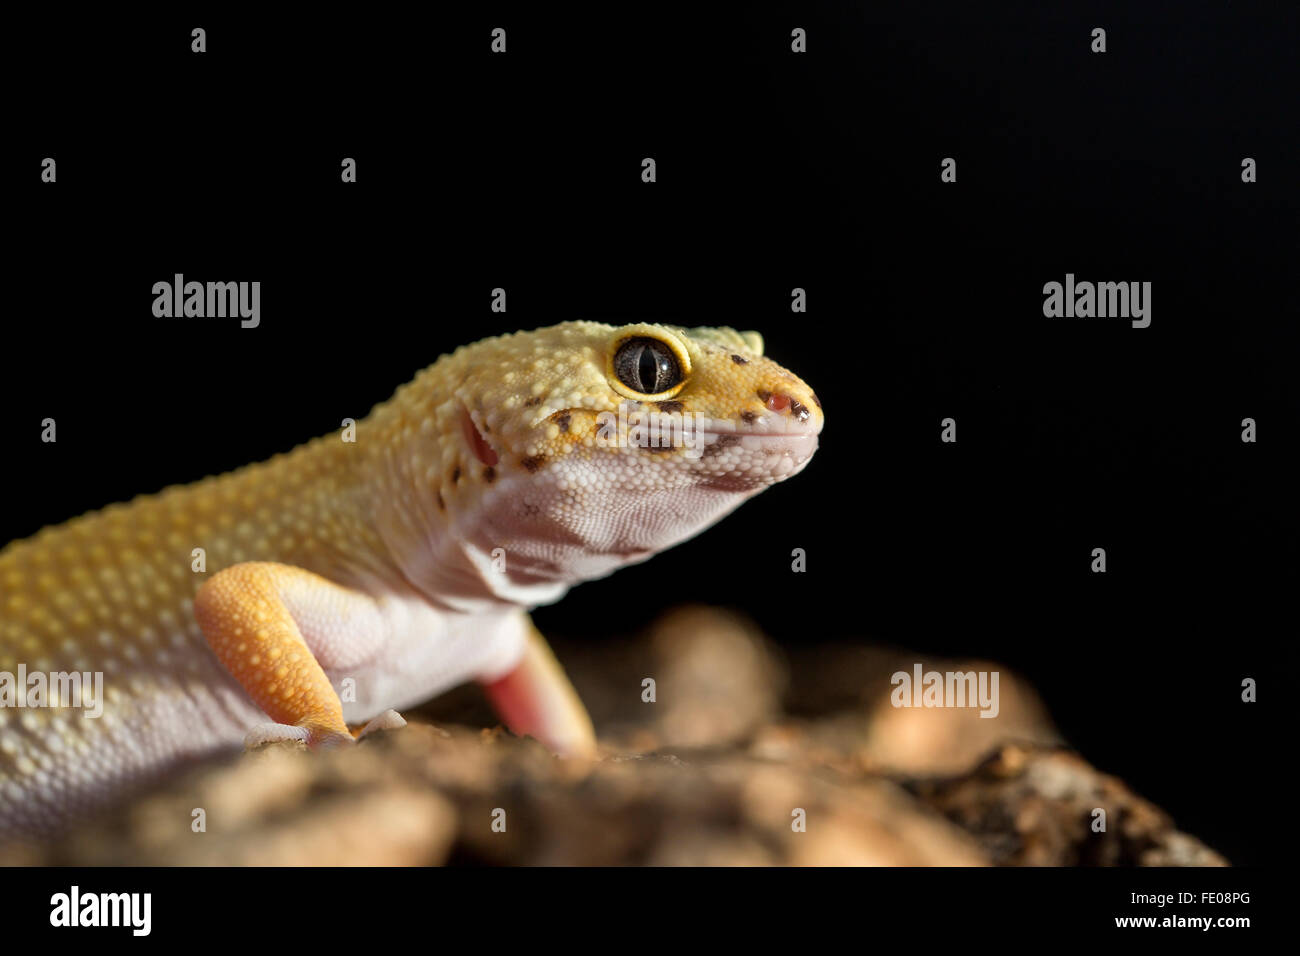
(724, 441)
(764, 394)
(535, 400)
(657, 448)
(534, 462)
(487, 428)
(748, 418)
(563, 419)
(799, 411)
(816, 401)
(489, 474)
(455, 475)
(671, 406)
(739, 361)
(442, 505)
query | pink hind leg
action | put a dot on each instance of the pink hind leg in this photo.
(537, 699)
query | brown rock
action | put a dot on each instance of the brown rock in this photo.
(1032, 806)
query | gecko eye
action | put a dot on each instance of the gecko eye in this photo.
(647, 366)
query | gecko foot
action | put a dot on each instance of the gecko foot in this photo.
(264, 734)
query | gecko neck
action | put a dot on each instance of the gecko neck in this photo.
(429, 505)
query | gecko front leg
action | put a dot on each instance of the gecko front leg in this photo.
(276, 628)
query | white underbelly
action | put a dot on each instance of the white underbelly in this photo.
(428, 651)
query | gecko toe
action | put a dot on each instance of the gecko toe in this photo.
(314, 738)
(388, 720)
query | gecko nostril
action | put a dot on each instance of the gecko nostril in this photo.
(776, 402)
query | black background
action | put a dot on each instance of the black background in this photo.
(775, 170)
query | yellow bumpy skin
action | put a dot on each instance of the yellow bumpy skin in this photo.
(363, 572)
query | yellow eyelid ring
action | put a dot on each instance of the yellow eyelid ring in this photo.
(648, 348)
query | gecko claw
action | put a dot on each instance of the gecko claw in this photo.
(388, 720)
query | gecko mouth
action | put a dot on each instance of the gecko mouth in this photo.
(744, 453)
(765, 434)
(740, 461)
(805, 441)
(767, 425)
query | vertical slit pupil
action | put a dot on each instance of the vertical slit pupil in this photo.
(649, 369)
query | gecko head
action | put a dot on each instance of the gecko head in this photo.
(584, 446)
